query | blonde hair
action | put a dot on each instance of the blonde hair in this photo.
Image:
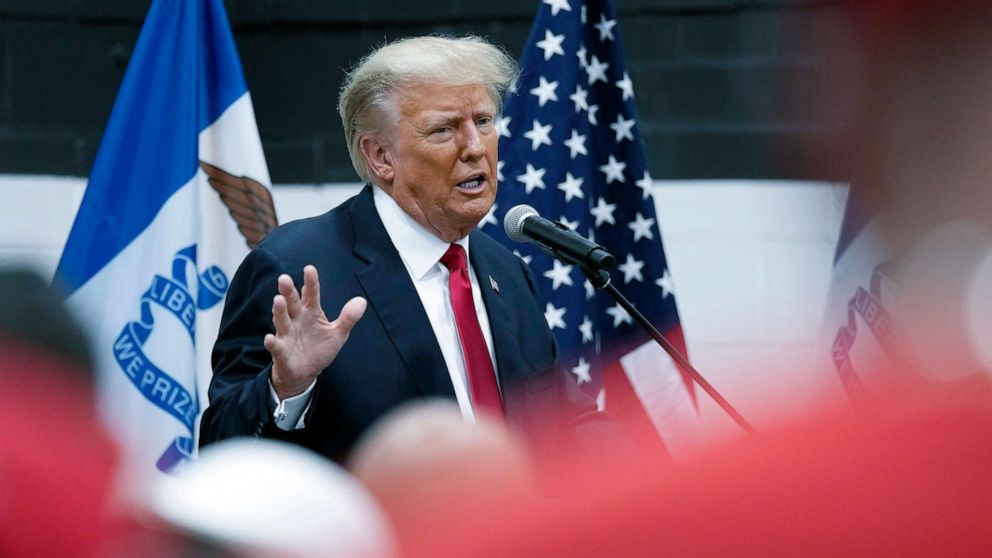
(456, 61)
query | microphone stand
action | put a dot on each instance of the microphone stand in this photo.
(601, 280)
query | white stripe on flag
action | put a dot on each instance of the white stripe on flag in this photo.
(662, 391)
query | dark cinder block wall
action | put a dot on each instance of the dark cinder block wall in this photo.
(724, 89)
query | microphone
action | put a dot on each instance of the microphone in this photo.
(523, 224)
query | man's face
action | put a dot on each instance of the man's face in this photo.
(439, 156)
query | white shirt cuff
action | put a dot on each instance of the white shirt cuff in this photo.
(290, 412)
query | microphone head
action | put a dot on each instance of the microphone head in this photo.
(513, 222)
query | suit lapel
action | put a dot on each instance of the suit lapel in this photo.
(508, 365)
(395, 301)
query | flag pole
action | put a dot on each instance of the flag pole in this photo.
(601, 280)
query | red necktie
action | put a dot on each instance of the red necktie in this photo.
(481, 376)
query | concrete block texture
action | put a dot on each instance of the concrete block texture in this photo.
(724, 89)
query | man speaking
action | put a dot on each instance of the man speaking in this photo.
(425, 305)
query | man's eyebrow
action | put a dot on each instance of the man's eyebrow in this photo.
(438, 118)
(452, 117)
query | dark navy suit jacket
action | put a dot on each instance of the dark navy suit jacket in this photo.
(392, 355)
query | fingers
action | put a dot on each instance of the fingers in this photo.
(288, 290)
(280, 315)
(352, 311)
(273, 345)
(311, 288)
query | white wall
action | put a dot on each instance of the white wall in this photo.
(750, 259)
(37, 214)
(752, 262)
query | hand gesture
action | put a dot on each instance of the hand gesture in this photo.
(305, 342)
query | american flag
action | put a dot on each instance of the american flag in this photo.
(570, 148)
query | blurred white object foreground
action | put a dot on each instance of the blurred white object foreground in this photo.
(265, 498)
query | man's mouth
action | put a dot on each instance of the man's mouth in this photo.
(472, 185)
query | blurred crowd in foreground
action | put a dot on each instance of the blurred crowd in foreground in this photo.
(904, 472)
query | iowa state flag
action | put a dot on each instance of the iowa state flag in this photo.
(178, 193)
(570, 147)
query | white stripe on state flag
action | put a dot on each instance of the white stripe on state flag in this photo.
(232, 143)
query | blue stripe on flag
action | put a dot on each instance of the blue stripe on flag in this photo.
(149, 149)
(856, 217)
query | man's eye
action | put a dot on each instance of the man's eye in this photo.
(441, 130)
(485, 121)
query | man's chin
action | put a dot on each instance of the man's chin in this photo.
(482, 211)
(466, 221)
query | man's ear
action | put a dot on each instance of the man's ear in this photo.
(379, 160)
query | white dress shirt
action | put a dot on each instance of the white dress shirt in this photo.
(421, 253)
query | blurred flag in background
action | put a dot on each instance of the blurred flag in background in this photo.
(858, 326)
(570, 148)
(178, 193)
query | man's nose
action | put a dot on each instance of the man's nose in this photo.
(473, 147)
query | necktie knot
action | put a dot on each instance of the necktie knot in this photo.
(454, 258)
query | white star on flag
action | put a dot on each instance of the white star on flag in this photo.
(545, 91)
(539, 135)
(526, 259)
(582, 372)
(626, 87)
(593, 109)
(613, 170)
(645, 184)
(503, 126)
(620, 316)
(622, 127)
(490, 218)
(631, 269)
(665, 282)
(560, 275)
(586, 329)
(597, 70)
(590, 290)
(603, 212)
(605, 27)
(580, 98)
(572, 225)
(572, 187)
(554, 316)
(576, 145)
(551, 45)
(499, 170)
(533, 178)
(558, 5)
(641, 227)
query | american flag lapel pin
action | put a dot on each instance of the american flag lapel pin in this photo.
(494, 284)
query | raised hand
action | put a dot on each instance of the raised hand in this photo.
(305, 342)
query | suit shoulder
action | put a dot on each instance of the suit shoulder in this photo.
(492, 248)
(331, 226)
(500, 256)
